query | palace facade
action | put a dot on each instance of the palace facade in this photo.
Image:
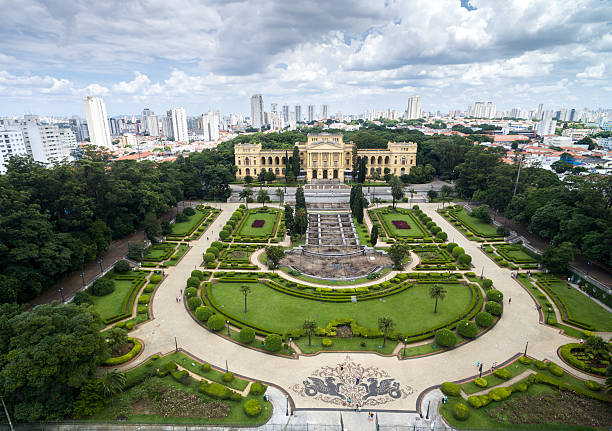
(325, 156)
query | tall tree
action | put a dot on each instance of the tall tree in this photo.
(437, 292)
(397, 189)
(385, 325)
(412, 193)
(263, 196)
(112, 384)
(295, 163)
(152, 227)
(289, 222)
(301, 221)
(354, 162)
(245, 290)
(274, 254)
(361, 175)
(300, 200)
(398, 252)
(309, 326)
(445, 191)
(557, 258)
(374, 236)
(280, 192)
(245, 194)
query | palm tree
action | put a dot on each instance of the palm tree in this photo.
(437, 292)
(309, 326)
(245, 194)
(245, 291)
(385, 324)
(112, 383)
(263, 197)
(412, 193)
(280, 192)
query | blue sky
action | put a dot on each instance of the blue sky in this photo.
(351, 55)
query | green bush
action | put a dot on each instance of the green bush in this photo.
(197, 273)
(129, 325)
(502, 373)
(194, 302)
(209, 257)
(451, 389)
(494, 308)
(122, 267)
(521, 387)
(205, 367)
(442, 235)
(216, 322)
(82, 298)
(445, 337)
(524, 360)
(450, 246)
(495, 295)
(227, 377)
(246, 335)
(181, 376)
(235, 396)
(128, 356)
(540, 365)
(155, 278)
(592, 385)
(193, 282)
(167, 368)
(217, 244)
(326, 342)
(484, 319)
(223, 235)
(142, 309)
(191, 291)
(500, 394)
(149, 288)
(457, 251)
(461, 412)
(257, 388)
(189, 211)
(252, 408)
(464, 259)
(487, 283)
(144, 299)
(555, 370)
(475, 401)
(273, 342)
(203, 313)
(467, 328)
(102, 287)
(480, 382)
(215, 390)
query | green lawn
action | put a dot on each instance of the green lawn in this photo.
(362, 232)
(421, 349)
(414, 231)
(180, 252)
(185, 228)
(582, 308)
(110, 305)
(514, 369)
(266, 229)
(352, 343)
(476, 225)
(411, 310)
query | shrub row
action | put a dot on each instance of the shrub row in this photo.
(568, 356)
(544, 282)
(128, 356)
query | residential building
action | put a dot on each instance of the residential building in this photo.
(311, 113)
(68, 140)
(325, 156)
(414, 108)
(210, 125)
(557, 141)
(286, 113)
(97, 122)
(257, 111)
(547, 125)
(165, 125)
(79, 128)
(298, 113)
(602, 142)
(11, 144)
(128, 140)
(42, 141)
(179, 124)
(324, 112)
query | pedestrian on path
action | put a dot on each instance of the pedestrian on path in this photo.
(477, 364)
(509, 300)
(357, 381)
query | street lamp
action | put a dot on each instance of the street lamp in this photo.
(526, 344)
(290, 339)
(61, 291)
(427, 415)
(287, 409)
(482, 273)
(228, 328)
(405, 341)
(175, 344)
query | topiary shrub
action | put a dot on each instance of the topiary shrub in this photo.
(326, 342)
(450, 246)
(213, 250)
(445, 337)
(461, 412)
(273, 342)
(215, 390)
(475, 401)
(521, 387)
(193, 282)
(217, 244)
(82, 298)
(257, 388)
(540, 365)
(484, 319)
(487, 283)
(457, 251)
(227, 377)
(206, 367)
(495, 295)
(203, 313)
(209, 257)
(246, 335)
(592, 385)
(494, 308)
(480, 382)
(524, 360)
(500, 394)
(197, 273)
(235, 396)
(451, 389)
(252, 408)
(122, 267)
(442, 235)
(502, 373)
(144, 299)
(102, 287)
(223, 235)
(194, 302)
(142, 309)
(129, 325)
(467, 328)
(155, 278)
(191, 291)
(555, 370)
(216, 322)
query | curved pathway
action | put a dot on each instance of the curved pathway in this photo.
(518, 326)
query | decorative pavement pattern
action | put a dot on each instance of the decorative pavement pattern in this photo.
(351, 384)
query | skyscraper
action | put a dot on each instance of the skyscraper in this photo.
(179, 124)
(298, 113)
(97, 122)
(286, 113)
(414, 108)
(210, 125)
(324, 112)
(257, 111)
(547, 125)
(311, 113)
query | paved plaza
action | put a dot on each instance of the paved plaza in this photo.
(347, 380)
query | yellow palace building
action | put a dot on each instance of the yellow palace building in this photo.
(325, 156)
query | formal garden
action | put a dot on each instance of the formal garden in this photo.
(442, 257)
(229, 256)
(254, 225)
(475, 225)
(512, 256)
(543, 396)
(163, 254)
(405, 225)
(190, 224)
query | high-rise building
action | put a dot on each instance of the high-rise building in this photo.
(42, 141)
(210, 125)
(143, 121)
(311, 113)
(547, 125)
(414, 108)
(11, 144)
(298, 113)
(79, 128)
(165, 125)
(179, 124)
(68, 140)
(538, 115)
(286, 113)
(257, 111)
(324, 112)
(97, 122)
(274, 108)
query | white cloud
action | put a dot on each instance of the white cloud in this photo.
(593, 72)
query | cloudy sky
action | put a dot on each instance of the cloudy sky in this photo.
(352, 55)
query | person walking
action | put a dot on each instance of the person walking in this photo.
(509, 300)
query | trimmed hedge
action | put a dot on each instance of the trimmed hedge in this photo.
(216, 322)
(461, 412)
(484, 319)
(194, 302)
(128, 356)
(495, 295)
(543, 281)
(494, 308)
(252, 408)
(451, 389)
(215, 390)
(273, 342)
(467, 328)
(445, 337)
(567, 355)
(203, 313)
(480, 382)
(246, 335)
(502, 373)
(258, 388)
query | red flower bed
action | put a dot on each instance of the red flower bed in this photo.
(401, 224)
(258, 223)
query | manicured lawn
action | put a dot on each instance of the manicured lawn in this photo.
(515, 253)
(362, 232)
(155, 254)
(248, 230)
(421, 349)
(352, 343)
(411, 310)
(186, 227)
(514, 369)
(414, 231)
(477, 226)
(110, 305)
(180, 252)
(582, 308)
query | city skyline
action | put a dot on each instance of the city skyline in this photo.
(450, 52)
